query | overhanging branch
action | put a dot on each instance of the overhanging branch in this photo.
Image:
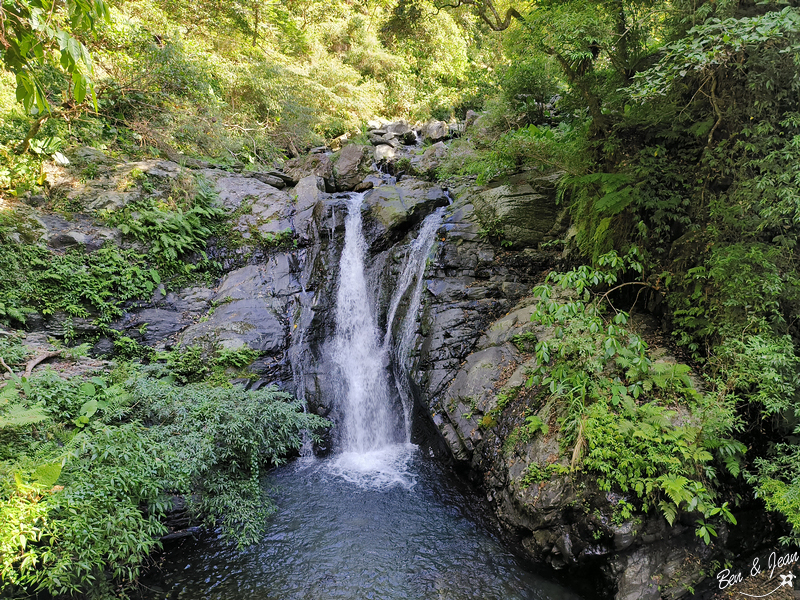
(486, 10)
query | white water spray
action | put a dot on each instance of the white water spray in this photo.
(361, 361)
(375, 445)
(413, 272)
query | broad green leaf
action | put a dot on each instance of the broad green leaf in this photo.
(79, 87)
(89, 408)
(46, 475)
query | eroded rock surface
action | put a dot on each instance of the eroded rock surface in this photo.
(472, 347)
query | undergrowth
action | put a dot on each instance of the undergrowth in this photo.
(638, 425)
(83, 456)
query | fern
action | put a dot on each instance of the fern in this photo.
(17, 415)
(669, 510)
(675, 486)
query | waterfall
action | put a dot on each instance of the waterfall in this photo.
(413, 272)
(375, 448)
(360, 359)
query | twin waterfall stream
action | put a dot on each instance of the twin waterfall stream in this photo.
(379, 518)
(376, 433)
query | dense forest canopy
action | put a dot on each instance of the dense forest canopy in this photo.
(674, 126)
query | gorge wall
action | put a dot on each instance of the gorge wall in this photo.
(468, 347)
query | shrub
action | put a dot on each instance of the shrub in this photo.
(124, 451)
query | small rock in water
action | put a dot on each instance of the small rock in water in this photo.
(363, 186)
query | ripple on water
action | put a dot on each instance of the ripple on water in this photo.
(389, 525)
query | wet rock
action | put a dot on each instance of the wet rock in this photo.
(35, 200)
(384, 153)
(308, 191)
(470, 119)
(473, 392)
(249, 309)
(636, 581)
(250, 322)
(69, 239)
(233, 191)
(270, 209)
(60, 325)
(103, 347)
(309, 196)
(156, 326)
(403, 204)
(288, 180)
(164, 169)
(112, 200)
(524, 210)
(409, 138)
(391, 140)
(274, 181)
(364, 186)
(87, 154)
(188, 301)
(398, 127)
(516, 322)
(434, 131)
(81, 231)
(426, 164)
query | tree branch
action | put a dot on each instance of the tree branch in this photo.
(480, 6)
(717, 111)
(2, 362)
(31, 364)
(25, 144)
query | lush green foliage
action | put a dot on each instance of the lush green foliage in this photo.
(676, 125)
(244, 83)
(191, 365)
(82, 285)
(112, 453)
(544, 147)
(686, 115)
(613, 401)
(40, 32)
(172, 227)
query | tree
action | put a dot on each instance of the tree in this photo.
(578, 34)
(34, 33)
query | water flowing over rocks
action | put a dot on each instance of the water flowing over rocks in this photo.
(479, 270)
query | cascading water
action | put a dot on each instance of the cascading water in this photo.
(361, 361)
(413, 272)
(376, 440)
(358, 525)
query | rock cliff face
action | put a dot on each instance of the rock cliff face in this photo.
(469, 351)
